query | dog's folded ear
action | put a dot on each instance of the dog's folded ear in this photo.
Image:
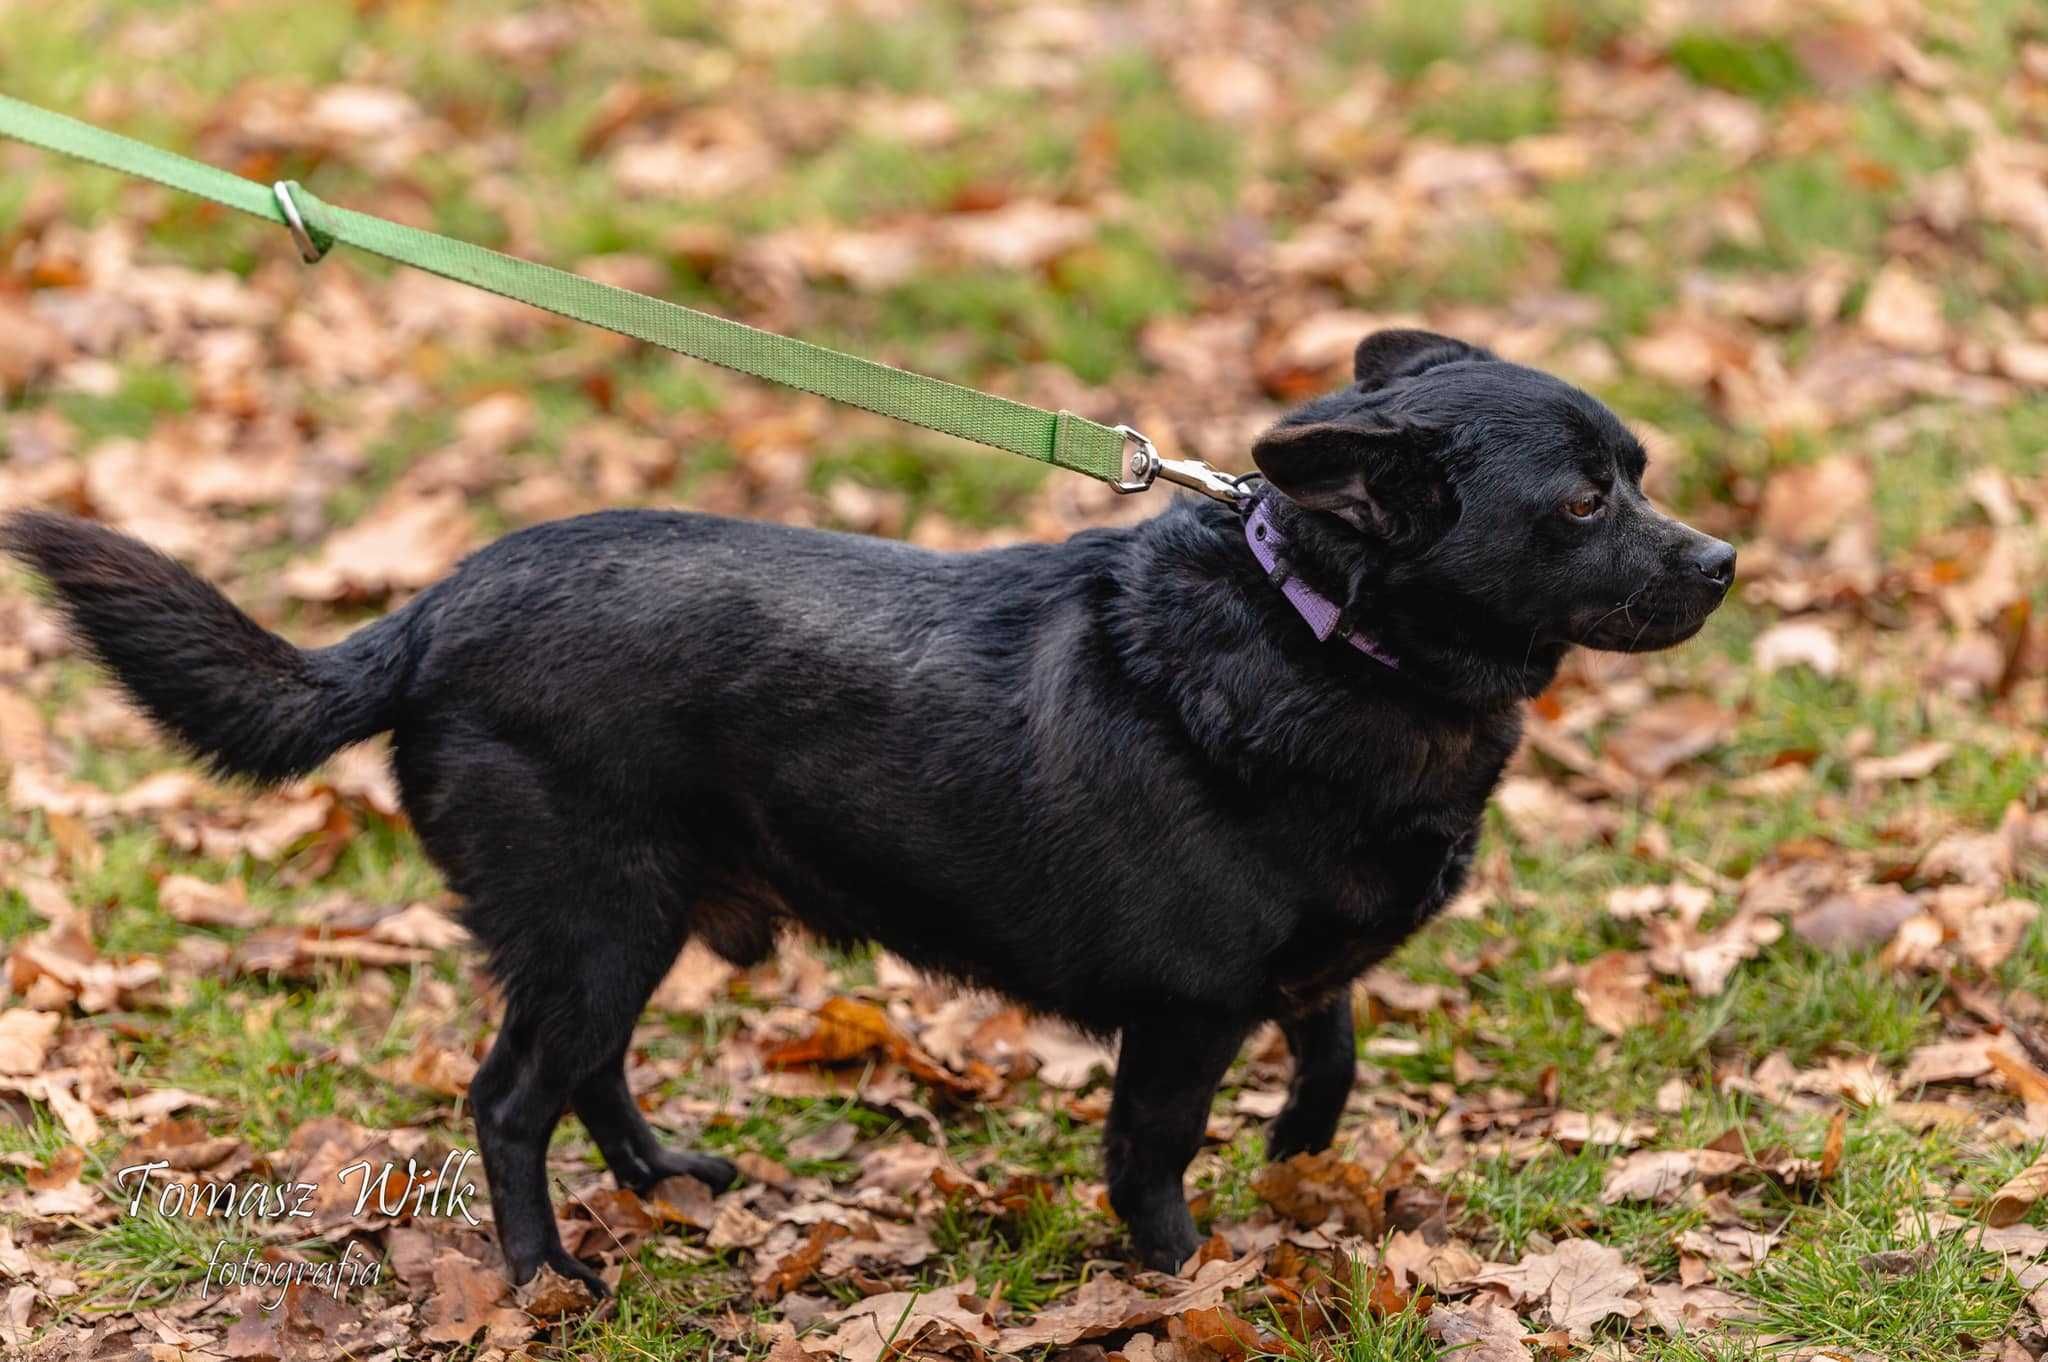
(1377, 471)
(1385, 356)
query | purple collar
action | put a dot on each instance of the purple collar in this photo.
(1319, 610)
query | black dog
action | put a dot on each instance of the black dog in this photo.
(1119, 779)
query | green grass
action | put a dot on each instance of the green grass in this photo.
(146, 393)
(1763, 69)
(1490, 112)
(1822, 1291)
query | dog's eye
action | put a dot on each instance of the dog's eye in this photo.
(1585, 507)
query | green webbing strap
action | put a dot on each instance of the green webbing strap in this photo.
(1062, 438)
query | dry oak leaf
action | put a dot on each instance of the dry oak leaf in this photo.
(2020, 1245)
(1915, 763)
(1705, 962)
(420, 925)
(181, 1143)
(1019, 235)
(318, 1151)
(1105, 1305)
(1990, 934)
(1540, 814)
(847, 1029)
(1577, 1284)
(1855, 919)
(60, 962)
(1678, 1309)
(2010, 1203)
(431, 1067)
(1311, 1188)
(1399, 996)
(550, 1295)
(696, 979)
(1412, 1261)
(402, 544)
(58, 1089)
(1736, 1248)
(199, 903)
(1804, 505)
(465, 1298)
(310, 1325)
(1659, 1175)
(1482, 1331)
(1903, 311)
(1614, 990)
(1067, 1058)
(2019, 1075)
(888, 1324)
(25, 1039)
(1661, 736)
(1577, 1128)
(1949, 1061)
(777, 1277)
(1798, 643)
(1220, 1332)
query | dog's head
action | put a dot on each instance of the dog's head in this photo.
(1498, 492)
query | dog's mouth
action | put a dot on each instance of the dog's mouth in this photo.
(1641, 624)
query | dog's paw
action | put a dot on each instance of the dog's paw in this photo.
(714, 1172)
(1165, 1245)
(1283, 1143)
(1293, 1133)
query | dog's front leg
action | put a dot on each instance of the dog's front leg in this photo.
(1166, 1077)
(1324, 1044)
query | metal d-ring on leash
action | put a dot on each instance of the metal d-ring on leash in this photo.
(1116, 455)
(310, 250)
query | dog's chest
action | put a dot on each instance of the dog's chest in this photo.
(1373, 899)
(1387, 856)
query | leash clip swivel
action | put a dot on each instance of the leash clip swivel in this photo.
(310, 250)
(1143, 463)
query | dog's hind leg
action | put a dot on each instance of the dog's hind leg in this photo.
(518, 1094)
(632, 1150)
(558, 1036)
(1324, 1044)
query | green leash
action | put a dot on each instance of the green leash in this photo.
(1117, 455)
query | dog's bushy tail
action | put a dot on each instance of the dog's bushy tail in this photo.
(247, 701)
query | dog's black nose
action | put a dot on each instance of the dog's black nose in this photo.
(1716, 562)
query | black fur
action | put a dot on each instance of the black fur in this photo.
(1115, 778)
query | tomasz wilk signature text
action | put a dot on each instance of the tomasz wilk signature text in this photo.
(383, 1189)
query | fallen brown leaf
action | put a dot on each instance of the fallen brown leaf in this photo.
(199, 903)
(894, 1321)
(2010, 1203)
(1479, 1331)
(1855, 920)
(1312, 1188)
(1576, 1285)
(25, 1039)
(846, 1029)
(403, 544)
(1614, 990)
(1660, 737)
(1913, 763)
(1659, 1175)
(465, 1298)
